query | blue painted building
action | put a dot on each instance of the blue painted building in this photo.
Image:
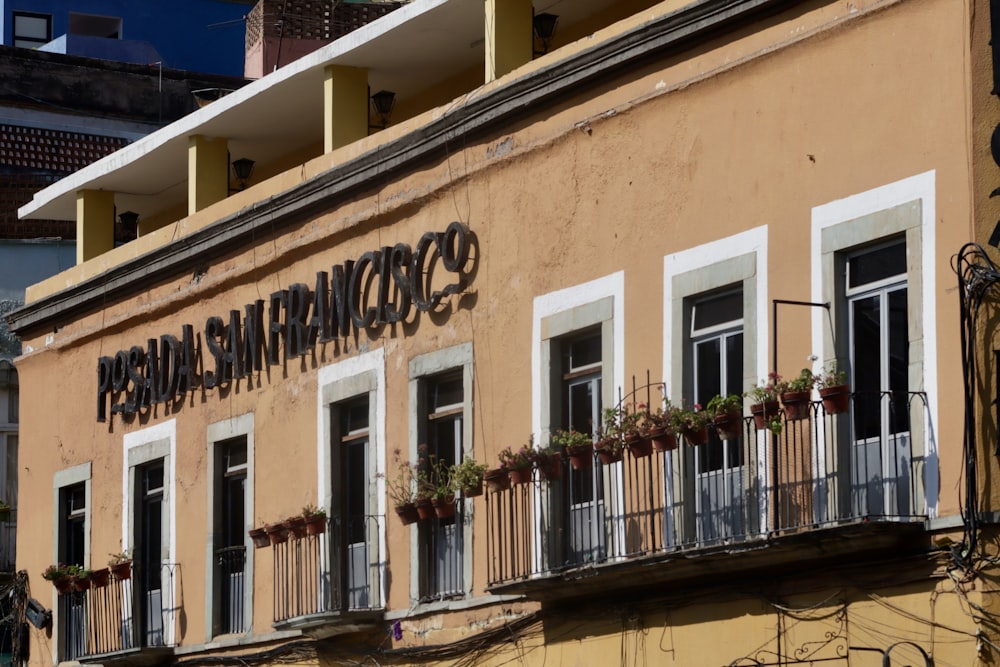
(196, 35)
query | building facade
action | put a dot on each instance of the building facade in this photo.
(657, 200)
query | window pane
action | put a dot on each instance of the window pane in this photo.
(584, 352)
(707, 370)
(866, 334)
(10, 490)
(31, 27)
(899, 361)
(716, 310)
(445, 392)
(877, 264)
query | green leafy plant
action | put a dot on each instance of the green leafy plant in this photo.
(765, 392)
(520, 459)
(693, 419)
(563, 439)
(724, 405)
(831, 377)
(401, 487)
(310, 511)
(803, 382)
(467, 475)
(119, 558)
(53, 572)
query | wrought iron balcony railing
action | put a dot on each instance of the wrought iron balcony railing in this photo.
(8, 540)
(337, 571)
(117, 615)
(820, 470)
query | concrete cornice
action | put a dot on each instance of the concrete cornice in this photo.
(525, 95)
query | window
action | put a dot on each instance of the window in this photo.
(876, 302)
(876, 255)
(440, 538)
(32, 30)
(91, 25)
(579, 344)
(441, 393)
(72, 502)
(149, 508)
(716, 343)
(579, 401)
(354, 523)
(230, 527)
(230, 568)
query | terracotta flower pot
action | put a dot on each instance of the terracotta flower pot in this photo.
(764, 412)
(122, 570)
(425, 509)
(696, 438)
(728, 425)
(581, 456)
(407, 513)
(639, 446)
(259, 537)
(519, 475)
(444, 508)
(473, 490)
(277, 533)
(99, 578)
(81, 584)
(497, 479)
(63, 585)
(316, 524)
(296, 526)
(607, 452)
(796, 404)
(836, 399)
(550, 466)
(663, 440)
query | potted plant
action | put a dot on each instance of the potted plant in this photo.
(120, 564)
(277, 532)
(467, 477)
(259, 537)
(834, 390)
(315, 518)
(497, 479)
(795, 395)
(548, 460)
(692, 424)
(763, 398)
(727, 415)
(401, 491)
(518, 464)
(635, 426)
(99, 578)
(296, 526)
(612, 439)
(661, 436)
(80, 576)
(59, 575)
(578, 447)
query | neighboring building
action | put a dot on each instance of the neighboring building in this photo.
(672, 201)
(194, 35)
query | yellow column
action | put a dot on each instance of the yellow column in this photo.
(345, 106)
(508, 36)
(208, 171)
(95, 223)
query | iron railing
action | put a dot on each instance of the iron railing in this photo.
(230, 570)
(8, 541)
(116, 616)
(818, 471)
(338, 570)
(441, 553)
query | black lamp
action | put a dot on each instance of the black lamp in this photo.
(544, 26)
(382, 103)
(242, 169)
(130, 223)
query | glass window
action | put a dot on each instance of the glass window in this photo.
(441, 538)
(717, 361)
(230, 552)
(32, 30)
(353, 516)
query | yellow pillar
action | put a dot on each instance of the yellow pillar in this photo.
(508, 36)
(95, 223)
(208, 171)
(345, 106)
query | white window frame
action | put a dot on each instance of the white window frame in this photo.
(339, 382)
(141, 447)
(422, 368)
(217, 435)
(737, 259)
(904, 208)
(599, 302)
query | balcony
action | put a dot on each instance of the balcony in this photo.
(8, 541)
(330, 583)
(826, 485)
(127, 618)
